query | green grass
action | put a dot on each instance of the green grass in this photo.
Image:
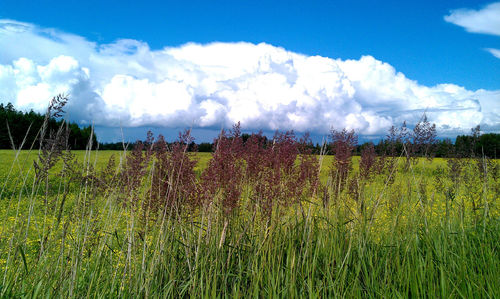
(419, 236)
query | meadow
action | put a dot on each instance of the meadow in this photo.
(250, 220)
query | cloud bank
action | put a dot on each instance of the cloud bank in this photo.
(126, 83)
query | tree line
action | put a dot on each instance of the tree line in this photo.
(464, 146)
(18, 128)
(23, 128)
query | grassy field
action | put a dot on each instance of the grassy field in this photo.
(83, 226)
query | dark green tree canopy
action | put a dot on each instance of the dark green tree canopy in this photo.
(16, 126)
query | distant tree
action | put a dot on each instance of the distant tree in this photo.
(205, 147)
(17, 126)
(444, 148)
(489, 145)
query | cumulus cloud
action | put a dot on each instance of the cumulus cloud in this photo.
(485, 20)
(126, 83)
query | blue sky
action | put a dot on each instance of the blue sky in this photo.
(410, 35)
(430, 43)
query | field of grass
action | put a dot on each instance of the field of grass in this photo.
(88, 227)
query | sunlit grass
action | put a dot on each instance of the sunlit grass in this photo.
(415, 236)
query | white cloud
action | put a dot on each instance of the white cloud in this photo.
(265, 87)
(494, 52)
(485, 20)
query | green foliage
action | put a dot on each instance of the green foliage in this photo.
(26, 126)
(205, 147)
(478, 145)
(444, 148)
(489, 145)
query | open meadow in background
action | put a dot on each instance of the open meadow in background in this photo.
(251, 219)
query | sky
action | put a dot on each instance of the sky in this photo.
(129, 66)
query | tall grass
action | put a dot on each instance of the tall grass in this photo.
(258, 221)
